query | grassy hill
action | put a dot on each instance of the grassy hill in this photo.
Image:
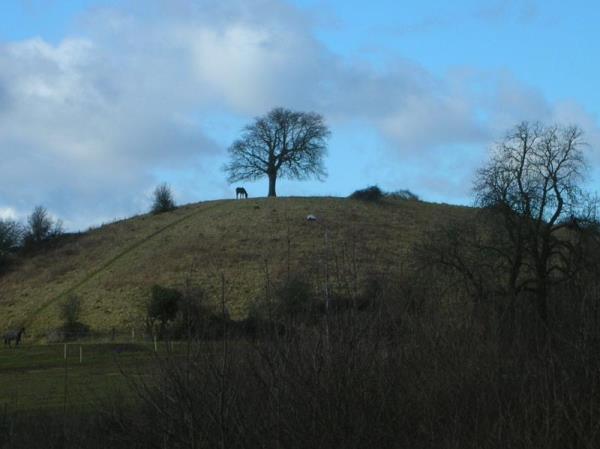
(113, 267)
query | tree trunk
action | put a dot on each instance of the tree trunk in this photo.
(272, 180)
(542, 280)
(542, 303)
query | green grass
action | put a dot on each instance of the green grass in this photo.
(113, 267)
(32, 378)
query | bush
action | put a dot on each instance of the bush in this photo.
(372, 193)
(69, 311)
(404, 194)
(162, 307)
(163, 199)
(72, 328)
(295, 297)
(194, 319)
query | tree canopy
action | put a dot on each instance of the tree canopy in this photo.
(283, 143)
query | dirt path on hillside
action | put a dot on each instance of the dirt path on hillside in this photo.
(104, 266)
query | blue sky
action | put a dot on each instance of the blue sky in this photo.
(101, 100)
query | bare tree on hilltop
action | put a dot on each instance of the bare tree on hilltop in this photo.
(283, 143)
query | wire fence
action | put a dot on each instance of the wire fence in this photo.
(53, 336)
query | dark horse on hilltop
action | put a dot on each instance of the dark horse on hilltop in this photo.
(14, 335)
(240, 192)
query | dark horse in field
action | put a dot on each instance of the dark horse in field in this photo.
(14, 335)
(240, 192)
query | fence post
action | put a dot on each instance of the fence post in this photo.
(80, 354)
(155, 347)
(65, 351)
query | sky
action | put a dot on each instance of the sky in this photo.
(102, 100)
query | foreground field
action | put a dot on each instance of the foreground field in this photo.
(33, 378)
(390, 376)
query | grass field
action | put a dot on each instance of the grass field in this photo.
(112, 268)
(32, 378)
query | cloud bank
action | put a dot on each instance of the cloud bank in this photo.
(89, 125)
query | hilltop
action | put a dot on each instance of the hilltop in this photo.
(112, 268)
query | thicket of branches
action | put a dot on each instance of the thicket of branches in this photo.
(415, 367)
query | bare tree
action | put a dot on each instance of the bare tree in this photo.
(41, 226)
(533, 181)
(283, 143)
(11, 234)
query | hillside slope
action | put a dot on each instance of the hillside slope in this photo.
(113, 267)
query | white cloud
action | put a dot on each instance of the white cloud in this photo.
(571, 113)
(78, 133)
(8, 213)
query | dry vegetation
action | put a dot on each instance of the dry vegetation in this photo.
(403, 372)
(113, 267)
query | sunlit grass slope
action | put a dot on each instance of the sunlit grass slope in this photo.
(245, 241)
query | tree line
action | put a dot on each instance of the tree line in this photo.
(39, 227)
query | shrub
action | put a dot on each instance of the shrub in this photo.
(69, 311)
(193, 318)
(372, 193)
(403, 194)
(162, 307)
(72, 328)
(295, 297)
(163, 199)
